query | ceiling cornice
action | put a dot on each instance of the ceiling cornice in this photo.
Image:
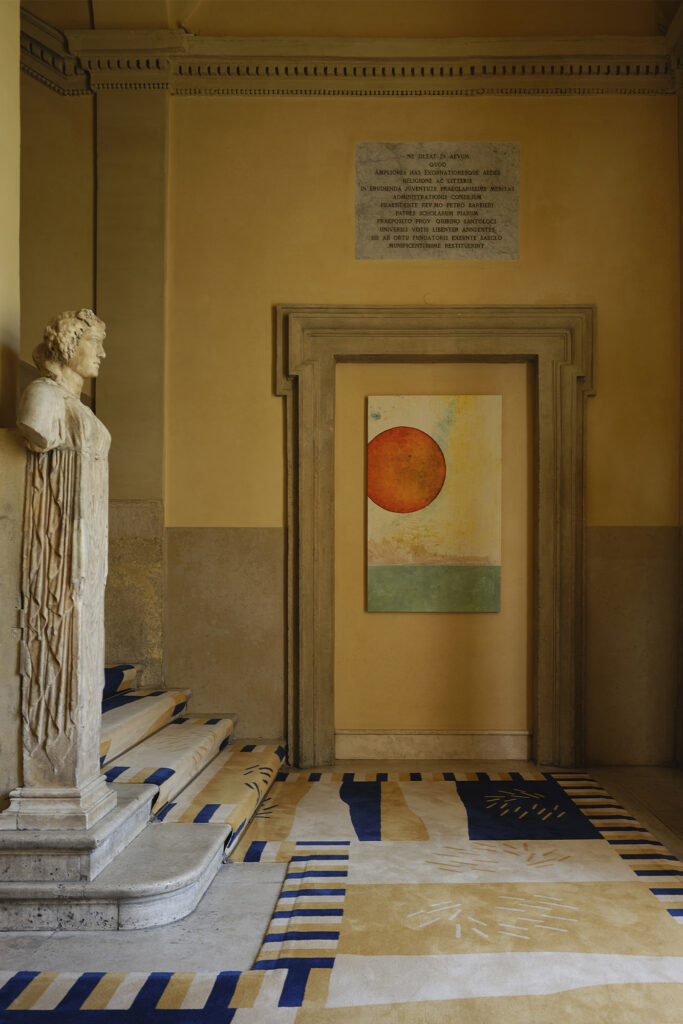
(45, 56)
(81, 61)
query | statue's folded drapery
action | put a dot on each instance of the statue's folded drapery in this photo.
(64, 572)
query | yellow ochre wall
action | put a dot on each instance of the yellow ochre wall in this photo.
(261, 211)
(58, 223)
(9, 189)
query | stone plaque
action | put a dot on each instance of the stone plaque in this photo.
(437, 200)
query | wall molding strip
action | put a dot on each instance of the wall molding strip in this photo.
(419, 744)
(171, 59)
(558, 342)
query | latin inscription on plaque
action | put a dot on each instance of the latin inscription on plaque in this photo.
(437, 200)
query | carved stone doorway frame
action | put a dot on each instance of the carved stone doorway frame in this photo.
(558, 342)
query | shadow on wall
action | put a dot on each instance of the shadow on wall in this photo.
(9, 376)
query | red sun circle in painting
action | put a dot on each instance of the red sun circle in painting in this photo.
(406, 469)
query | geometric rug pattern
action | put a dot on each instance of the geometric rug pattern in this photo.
(424, 898)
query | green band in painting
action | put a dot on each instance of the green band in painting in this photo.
(433, 588)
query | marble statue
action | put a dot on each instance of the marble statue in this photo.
(64, 569)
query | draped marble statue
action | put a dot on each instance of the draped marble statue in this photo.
(64, 568)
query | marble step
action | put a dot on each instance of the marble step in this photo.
(129, 718)
(160, 877)
(228, 791)
(173, 756)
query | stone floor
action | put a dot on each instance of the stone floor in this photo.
(225, 931)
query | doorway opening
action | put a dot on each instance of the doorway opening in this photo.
(558, 344)
(417, 685)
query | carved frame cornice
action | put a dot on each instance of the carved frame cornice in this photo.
(558, 342)
(81, 61)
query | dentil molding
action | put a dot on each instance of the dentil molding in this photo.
(82, 61)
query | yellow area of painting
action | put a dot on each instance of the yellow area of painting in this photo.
(598, 1004)
(398, 821)
(463, 524)
(419, 920)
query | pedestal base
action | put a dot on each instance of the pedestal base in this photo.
(159, 878)
(55, 807)
(75, 855)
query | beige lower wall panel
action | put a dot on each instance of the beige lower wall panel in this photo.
(12, 465)
(225, 623)
(631, 644)
(427, 745)
(134, 598)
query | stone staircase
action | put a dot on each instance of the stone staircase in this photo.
(185, 794)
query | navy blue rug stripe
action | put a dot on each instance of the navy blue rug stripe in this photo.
(161, 814)
(207, 812)
(319, 856)
(597, 807)
(661, 874)
(291, 961)
(317, 874)
(152, 991)
(223, 990)
(620, 828)
(634, 842)
(311, 892)
(323, 842)
(294, 988)
(15, 986)
(364, 802)
(610, 817)
(647, 856)
(286, 936)
(79, 992)
(217, 1015)
(253, 854)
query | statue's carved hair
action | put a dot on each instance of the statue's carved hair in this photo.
(62, 336)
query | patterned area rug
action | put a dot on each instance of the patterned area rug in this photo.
(420, 898)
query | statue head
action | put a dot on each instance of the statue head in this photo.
(73, 340)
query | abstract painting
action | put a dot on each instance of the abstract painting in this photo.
(434, 503)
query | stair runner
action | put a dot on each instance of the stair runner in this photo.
(229, 790)
(201, 780)
(129, 718)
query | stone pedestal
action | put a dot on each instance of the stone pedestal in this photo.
(39, 854)
(59, 807)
